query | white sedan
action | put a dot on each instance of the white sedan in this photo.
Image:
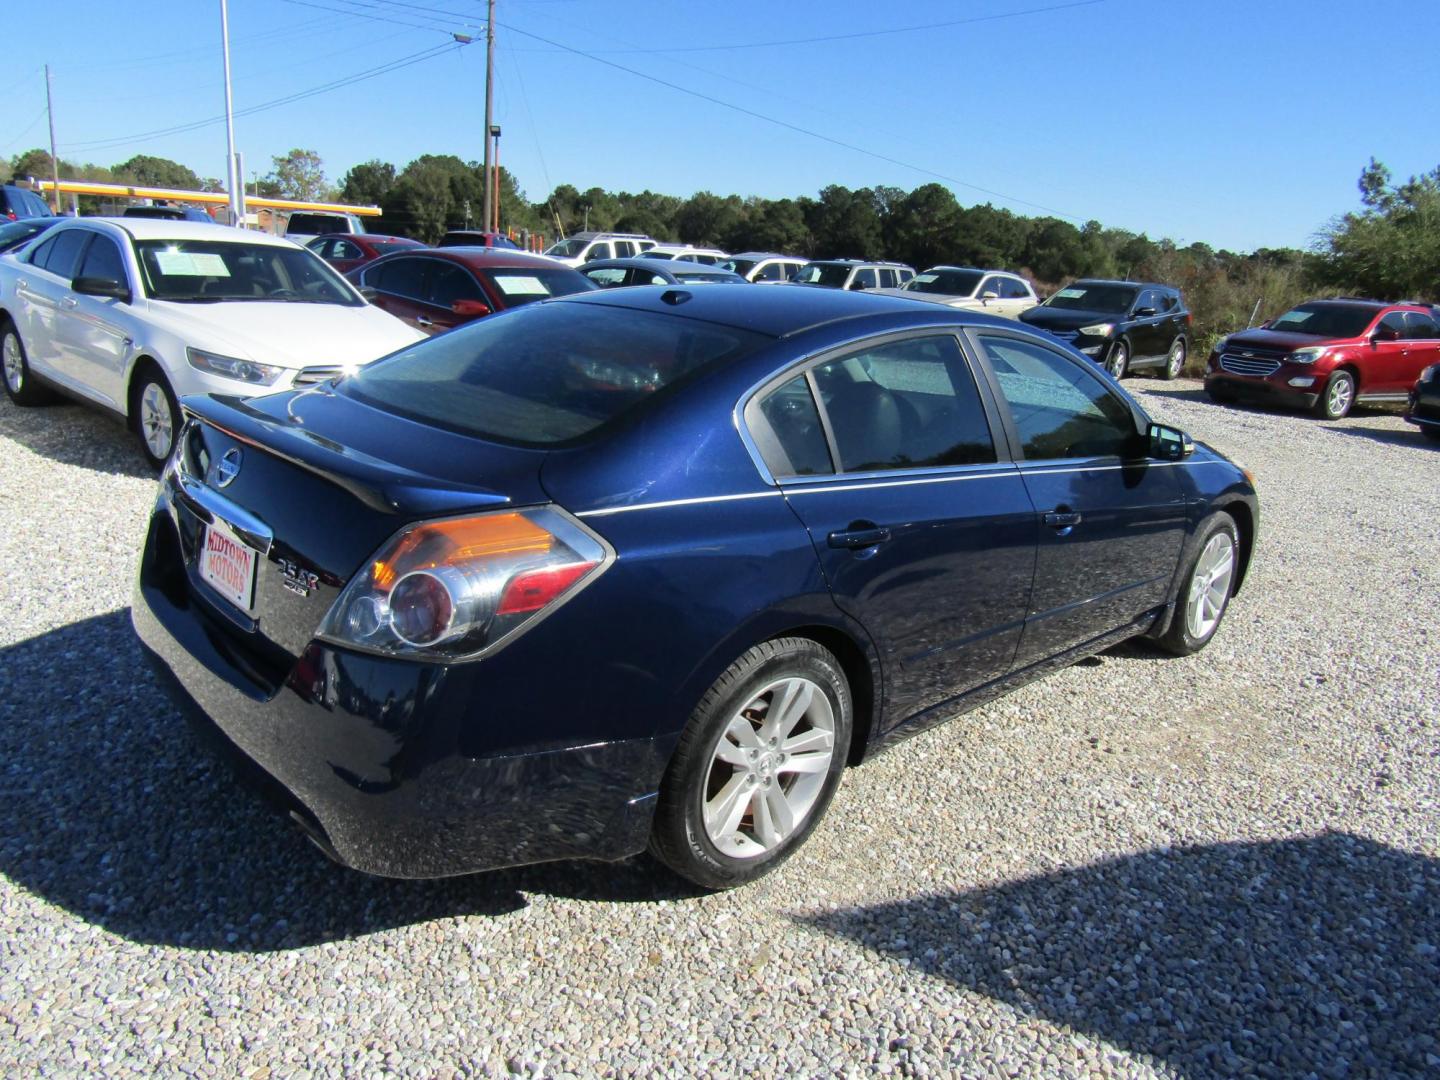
(129, 315)
(995, 292)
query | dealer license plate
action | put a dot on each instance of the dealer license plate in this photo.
(228, 567)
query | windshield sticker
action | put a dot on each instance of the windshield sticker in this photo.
(1291, 317)
(191, 264)
(926, 277)
(1070, 294)
(522, 285)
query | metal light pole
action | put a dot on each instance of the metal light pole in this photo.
(232, 179)
(495, 138)
(54, 161)
(489, 103)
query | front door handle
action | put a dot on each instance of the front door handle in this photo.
(68, 301)
(422, 321)
(858, 539)
(1062, 520)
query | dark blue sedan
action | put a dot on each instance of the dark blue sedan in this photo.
(648, 567)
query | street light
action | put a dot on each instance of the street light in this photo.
(494, 226)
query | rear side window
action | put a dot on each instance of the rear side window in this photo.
(63, 255)
(547, 374)
(794, 444)
(771, 272)
(1418, 326)
(403, 277)
(449, 284)
(904, 405)
(624, 249)
(344, 249)
(1060, 409)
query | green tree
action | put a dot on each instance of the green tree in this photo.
(300, 174)
(922, 226)
(368, 183)
(1391, 248)
(149, 171)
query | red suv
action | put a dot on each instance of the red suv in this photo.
(1327, 355)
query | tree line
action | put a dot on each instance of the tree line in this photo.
(1389, 248)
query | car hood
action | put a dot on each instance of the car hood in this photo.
(1273, 340)
(1048, 318)
(288, 334)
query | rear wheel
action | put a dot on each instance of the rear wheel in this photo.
(756, 765)
(20, 384)
(1118, 362)
(1207, 586)
(1175, 361)
(1339, 396)
(154, 414)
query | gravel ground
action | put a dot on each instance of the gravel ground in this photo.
(1217, 866)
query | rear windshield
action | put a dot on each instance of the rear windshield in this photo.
(567, 249)
(945, 282)
(526, 285)
(1106, 299)
(1325, 320)
(395, 242)
(546, 374)
(318, 224)
(832, 274)
(215, 271)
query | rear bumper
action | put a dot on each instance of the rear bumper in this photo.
(370, 755)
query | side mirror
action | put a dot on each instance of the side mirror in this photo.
(859, 286)
(369, 293)
(1385, 333)
(988, 295)
(1168, 443)
(1144, 312)
(471, 309)
(100, 286)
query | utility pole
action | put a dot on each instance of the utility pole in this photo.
(54, 161)
(233, 178)
(489, 102)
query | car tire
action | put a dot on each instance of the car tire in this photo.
(1118, 362)
(1175, 359)
(741, 793)
(20, 384)
(1205, 589)
(1338, 397)
(154, 414)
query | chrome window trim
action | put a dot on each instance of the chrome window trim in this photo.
(609, 511)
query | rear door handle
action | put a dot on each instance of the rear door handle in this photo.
(858, 539)
(1061, 520)
(423, 321)
(68, 301)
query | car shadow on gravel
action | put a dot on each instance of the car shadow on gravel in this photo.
(113, 810)
(74, 435)
(1314, 956)
(1409, 435)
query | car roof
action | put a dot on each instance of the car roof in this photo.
(1132, 284)
(777, 310)
(476, 258)
(161, 229)
(767, 255)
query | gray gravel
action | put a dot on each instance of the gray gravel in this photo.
(1219, 866)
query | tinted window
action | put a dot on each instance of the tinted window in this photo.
(1420, 326)
(904, 405)
(41, 251)
(1393, 321)
(770, 272)
(103, 261)
(831, 274)
(15, 233)
(600, 250)
(1060, 408)
(344, 249)
(607, 277)
(446, 284)
(864, 278)
(740, 266)
(1014, 289)
(624, 249)
(945, 282)
(1107, 299)
(1326, 320)
(792, 417)
(1148, 299)
(1169, 301)
(887, 279)
(63, 255)
(547, 373)
(402, 277)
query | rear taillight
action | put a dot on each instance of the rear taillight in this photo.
(455, 588)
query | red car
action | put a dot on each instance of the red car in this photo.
(346, 251)
(437, 289)
(1327, 355)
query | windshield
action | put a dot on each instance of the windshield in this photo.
(945, 282)
(1106, 299)
(212, 271)
(567, 249)
(525, 286)
(738, 266)
(832, 274)
(1325, 320)
(548, 373)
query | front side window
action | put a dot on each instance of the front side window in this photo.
(599, 250)
(1060, 409)
(212, 271)
(770, 272)
(103, 260)
(904, 405)
(448, 284)
(344, 249)
(1014, 289)
(864, 279)
(1394, 321)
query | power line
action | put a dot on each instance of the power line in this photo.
(789, 126)
(206, 50)
(381, 18)
(336, 84)
(26, 129)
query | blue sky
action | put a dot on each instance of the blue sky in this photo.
(1240, 124)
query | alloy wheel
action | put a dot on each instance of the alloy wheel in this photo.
(157, 425)
(1210, 586)
(1119, 360)
(769, 767)
(14, 364)
(1338, 397)
(1176, 359)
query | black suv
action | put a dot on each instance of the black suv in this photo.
(1123, 325)
(17, 203)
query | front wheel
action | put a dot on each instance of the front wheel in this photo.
(1208, 585)
(756, 766)
(1119, 360)
(1175, 361)
(155, 415)
(1339, 396)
